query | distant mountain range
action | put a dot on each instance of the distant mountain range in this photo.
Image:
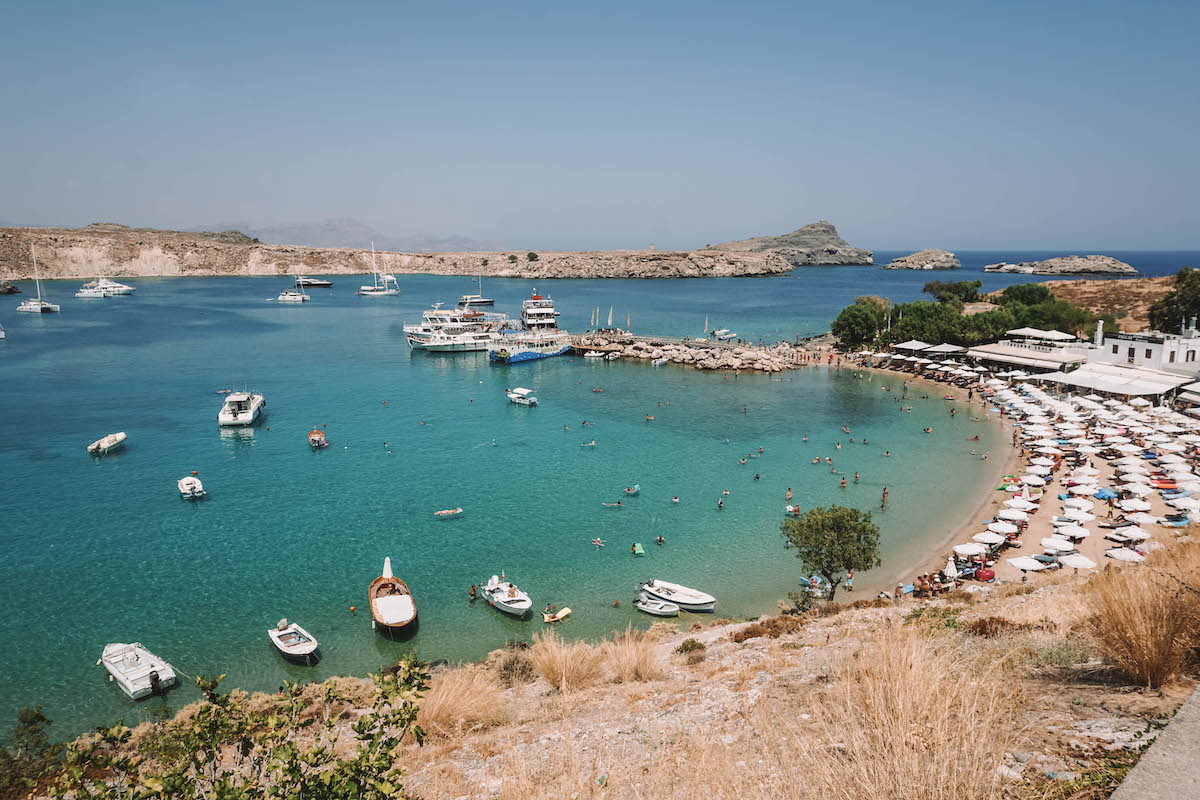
(346, 232)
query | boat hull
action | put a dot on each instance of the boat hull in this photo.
(516, 356)
(707, 603)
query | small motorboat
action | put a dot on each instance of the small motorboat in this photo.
(506, 597)
(522, 397)
(136, 670)
(190, 488)
(593, 354)
(293, 641)
(304, 280)
(448, 513)
(658, 362)
(687, 599)
(557, 616)
(317, 439)
(241, 408)
(107, 444)
(632, 490)
(655, 607)
(612, 356)
(391, 601)
(724, 335)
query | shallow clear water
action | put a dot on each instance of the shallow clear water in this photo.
(100, 550)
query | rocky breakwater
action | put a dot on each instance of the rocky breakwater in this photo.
(1066, 265)
(119, 251)
(813, 244)
(765, 359)
(925, 259)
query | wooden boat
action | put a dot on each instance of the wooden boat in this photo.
(448, 513)
(317, 439)
(293, 641)
(391, 601)
(107, 444)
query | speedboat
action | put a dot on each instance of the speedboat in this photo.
(304, 280)
(658, 362)
(36, 305)
(190, 488)
(107, 444)
(241, 408)
(506, 597)
(687, 599)
(293, 641)
(593, 354)
(317, 439)
(136, 670)
(292, 296)
(724, 335)
(613, 356)
(522, 397)
(392, 605)
(656, 607)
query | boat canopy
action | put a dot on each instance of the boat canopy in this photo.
(522, 392)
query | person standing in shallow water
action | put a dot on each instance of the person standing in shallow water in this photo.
(883, 502)
(789, 493)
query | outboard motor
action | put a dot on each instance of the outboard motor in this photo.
(155, 683)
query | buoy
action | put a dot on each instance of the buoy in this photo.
(351, 609)
(194, 472)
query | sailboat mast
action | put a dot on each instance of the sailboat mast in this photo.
(36, 279)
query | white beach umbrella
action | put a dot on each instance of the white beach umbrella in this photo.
(1139, 401)
(1130, 460)
(1020, 504)
(970, 549)
(1190, 486)
(1134, 477)
(1133, 505)
(1172, 447)
(1185, 503)
(1172, 458)
(1057, 545)
(950, 571)
(1142, 518)
(1002, 527)
(1077, 561)
(1026, 564)
(1085, 480)
(1037, 470)
(1134, 532)
(1050, 451)
(1082, 490)
(988, 537)
(1131, 469)
(1012, 514)
(1032, 480)
(1117, 439)
(1158, 437)
(1042, 462)
(1078, 514)
(1139, 489)
(1190, 438)
(1073, 532)
(1086, 470)
(1124, 554)
(1079, 503)
(1046, 442)
(1127, 448)
(1087, 449)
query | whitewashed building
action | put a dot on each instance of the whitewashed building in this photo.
(1152, 349)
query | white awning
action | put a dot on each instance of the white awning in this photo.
(945, 348)
(911, 344)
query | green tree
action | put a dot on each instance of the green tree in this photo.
(512, 259)
(830, 541)
(856, 325)
(531, 256)
(873, 301)
(945, 291)
(28, 754)
(1027, 294)
(1182, 303)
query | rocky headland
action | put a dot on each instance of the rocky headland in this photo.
(119, 251)
(925, 259)
(1067, 265)
(701, 355)
(6, 287)
(817, 243)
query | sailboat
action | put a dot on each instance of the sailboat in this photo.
(36, 306)
(295, 295)
(610, 317)
(705, 329)
(628, 327)
(383, 286)
(469, 300)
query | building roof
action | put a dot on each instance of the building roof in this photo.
(1050, 358)
(1117, 379)
(945, 348)
(1038, 333)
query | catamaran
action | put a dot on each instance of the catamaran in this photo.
(36, 305)
(384, 285)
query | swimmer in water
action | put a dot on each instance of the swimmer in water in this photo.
(756, 476)
(856, 477)
(805, 439)
(887, 452)
(843, 483)
(839, 445)
(929, 430)
(720, 504)
(660, 540)
(565, 428)
(675, 499)
(725, 493)
(613, 505)
(828, 460)
(816, 461)
(789, 493)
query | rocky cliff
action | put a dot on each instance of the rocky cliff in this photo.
(925, 259)
(1067, 265)
(118, 251)
(815, 243)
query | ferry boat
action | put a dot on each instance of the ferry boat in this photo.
(241, 409)
(512, 348)
(469, 300)
(455, 330)
(538, 313)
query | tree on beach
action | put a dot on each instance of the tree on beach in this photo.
(856, 325)
(830, 541)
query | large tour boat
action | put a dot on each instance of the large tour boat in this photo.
(455, 330)
(540, 338)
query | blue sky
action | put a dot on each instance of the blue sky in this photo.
(572, 126)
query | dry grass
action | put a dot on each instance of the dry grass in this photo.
(462, 700)
(1146, 618)
(772, 628)
(632, 656)
(567, 666)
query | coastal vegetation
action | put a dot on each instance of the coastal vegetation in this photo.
(876, 322)
(1180, 305)
(832, 541)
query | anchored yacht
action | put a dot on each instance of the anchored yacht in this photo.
(241, 409)
(384, 285)
(36, 305)
(469, 300)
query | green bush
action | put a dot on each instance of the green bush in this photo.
(512, 259)
(690, 646)
(531, 256)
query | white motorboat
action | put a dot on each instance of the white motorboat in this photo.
(103, 287)
(136, 670)
(292, 296)
(107, 444)
(36, 305)
(190, 488)
(656, 607)
(2, 333)
(469, 300)
(593, 354)
(293, 641)
(91, 292)
(241, 408)
(383, 285)
(724, 335)
(304, 280)
(506, 597)
(687, 599)
(658, 362)
(613, 356)
(522, 397)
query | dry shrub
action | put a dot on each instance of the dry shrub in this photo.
(695, 657)
(632, 656)
(461, 700)
(992, 627)
(662, 630)
(772, 628)
(566, 666)
(911, 710)
(515, 668)
(1146, 617)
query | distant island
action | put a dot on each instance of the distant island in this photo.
(925, 259)
(1067, 265)
(116, 250)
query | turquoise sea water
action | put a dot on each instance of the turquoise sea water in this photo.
(100, 550)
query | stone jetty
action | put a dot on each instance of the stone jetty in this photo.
(701, 355)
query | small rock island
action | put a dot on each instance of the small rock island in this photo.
(925, 259)
(1067, 265)
(816, 243)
